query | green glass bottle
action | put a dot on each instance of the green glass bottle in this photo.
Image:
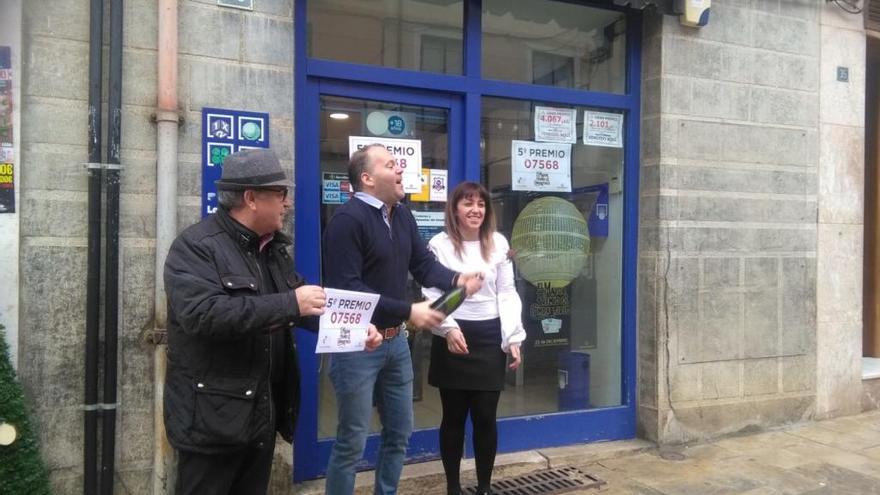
(449, 301)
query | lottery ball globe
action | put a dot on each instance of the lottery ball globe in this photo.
(551, 242)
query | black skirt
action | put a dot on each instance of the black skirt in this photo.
(482, 368)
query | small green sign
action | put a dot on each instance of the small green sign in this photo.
(218, 153)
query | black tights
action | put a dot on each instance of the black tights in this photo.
(483, 406)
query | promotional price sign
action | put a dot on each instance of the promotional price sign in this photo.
(555, 125)
(407, 152)
(540, 166)
(603, 129)
(343, 326)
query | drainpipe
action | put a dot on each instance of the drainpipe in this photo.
(111, 280)
(93, 278)
(167, 121)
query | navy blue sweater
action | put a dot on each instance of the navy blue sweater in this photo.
(361, 254)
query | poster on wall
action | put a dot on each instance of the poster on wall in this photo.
(555, 125)
(7, 188)
(407, 152)
(603, 129)
(7, 153)
(540, 166)
(224, 132)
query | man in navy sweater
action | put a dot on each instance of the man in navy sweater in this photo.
(370, 245)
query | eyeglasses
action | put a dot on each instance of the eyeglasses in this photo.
(283, 191)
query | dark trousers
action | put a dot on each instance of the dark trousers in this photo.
(245, 472)
(483, 408)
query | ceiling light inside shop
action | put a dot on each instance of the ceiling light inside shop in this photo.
(338, 116)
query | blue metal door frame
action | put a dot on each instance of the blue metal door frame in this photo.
(462, 95)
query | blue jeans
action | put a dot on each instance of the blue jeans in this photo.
(358, 377)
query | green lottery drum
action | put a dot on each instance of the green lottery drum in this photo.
(551, 242)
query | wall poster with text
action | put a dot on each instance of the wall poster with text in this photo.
(7, 152)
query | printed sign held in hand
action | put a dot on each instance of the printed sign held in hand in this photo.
(343, 326)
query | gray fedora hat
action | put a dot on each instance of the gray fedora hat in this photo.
(253, 168)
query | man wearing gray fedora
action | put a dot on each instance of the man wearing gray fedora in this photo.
(233, 297)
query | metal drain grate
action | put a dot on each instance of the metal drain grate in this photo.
(544, 482)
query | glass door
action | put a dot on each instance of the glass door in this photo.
(431, 124)
(341, 118)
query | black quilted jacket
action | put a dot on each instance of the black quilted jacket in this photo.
(225, 326)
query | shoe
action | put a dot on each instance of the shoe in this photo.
(453, 491)
(484, 491)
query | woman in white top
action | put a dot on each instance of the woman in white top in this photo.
(469, 350)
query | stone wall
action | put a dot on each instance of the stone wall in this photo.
(741, 179)
(841, 215)
(228, 58)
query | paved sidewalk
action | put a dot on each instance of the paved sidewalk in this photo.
(839, 456)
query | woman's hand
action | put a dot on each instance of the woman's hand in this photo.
(515, 356)
(455, 342)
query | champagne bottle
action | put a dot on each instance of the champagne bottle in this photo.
(449, 301)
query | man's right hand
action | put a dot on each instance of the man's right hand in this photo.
(424, 317)
(472, 282)
(311, 300)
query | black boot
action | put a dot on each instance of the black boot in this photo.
(484, 490)
(453, 491)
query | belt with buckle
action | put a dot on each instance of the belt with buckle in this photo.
(391, 332)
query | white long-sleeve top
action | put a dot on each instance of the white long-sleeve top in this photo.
(496, 299)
